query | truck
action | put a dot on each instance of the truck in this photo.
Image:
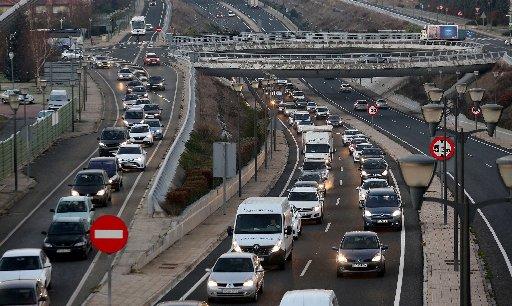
(318, 144)
(440, 32)
(253, 3)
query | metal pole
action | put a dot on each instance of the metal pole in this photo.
(26, 136)
(110, 281)
(15, 156)
(445, 175)
(85, 86)
(80, 97)
(44, 98)
(238, 162)
(266, 135)
(465, 282)
(255, 149)
(225, 145)
(12, 72)
(456, 198)
(72, 107)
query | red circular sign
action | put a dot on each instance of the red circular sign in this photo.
(159, 29)
(476, 110)
(109, 234)
(373, 110)
(441, 146)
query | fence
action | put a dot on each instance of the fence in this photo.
(41, 136)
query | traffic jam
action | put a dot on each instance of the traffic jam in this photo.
(75, 227)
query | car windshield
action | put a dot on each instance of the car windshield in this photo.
(302, 196)
(306, 184)
(316, 165)
(373, 164)
(258, 224)
(101, 58)
(129, 150)
(373, 201)
(372, 152)
(134, 115)
(375, 184)
(89, 179)
(362, 146)
(322, 109)
(152, 123)
(351, 132)
(71, 206)
(360, 242)
(134, 83)
(108, 165)
(125, 70)
(298, 93)
(300, 116)
(311, 103)
(149, 55)
(317, 148)
(20, 263)
(334, 118)
(149, 107)
(139, 89)
(305, 122)
(143, 101)
(112, 135)
(310, 177)
(140, 129)
(58, 98)
(18, 296)
(361, 102)
(155, 79)
(66, 228)
(233, 265)
(131, 97)
(358, 140)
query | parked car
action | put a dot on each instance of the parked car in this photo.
(125, 74)
(24, 292)
(110, 139)
(152, 111)
(110, 165)
(26, 263)
(370, 184)
(334, 120)
(24, 98)
(361, 105)
(74, 206)
(360, 252)
(345, 88)
(140, 133)
(151, 59)
(381, 104)
(382, 208)
(156, 82)
(155, 126)
(131, 156)
(322, 112)
(67, 236)
(93, 183)
(374, 168)
(72, 54)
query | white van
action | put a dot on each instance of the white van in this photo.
(58, 98)
(318, 145)
(317, 297)
(263, 226)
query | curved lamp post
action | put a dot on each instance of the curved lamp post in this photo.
(255, 85)
(14, 103)
(238, 88)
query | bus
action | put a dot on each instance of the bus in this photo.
(138, 24)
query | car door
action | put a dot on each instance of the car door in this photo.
(90, 206)
(47, 267)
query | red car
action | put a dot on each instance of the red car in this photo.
(151, 59)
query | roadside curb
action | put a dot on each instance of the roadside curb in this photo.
(6, 206)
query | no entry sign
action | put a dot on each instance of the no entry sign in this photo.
(441, 146)
(109, 234)
(373, 110)
(159, 29)
(476, 110)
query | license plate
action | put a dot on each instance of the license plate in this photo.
(63, 251)
(359, 265)
(230, 291)
(382, 221)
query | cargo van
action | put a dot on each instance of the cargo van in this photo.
(58, 98)
(318, 144)
(263, 226)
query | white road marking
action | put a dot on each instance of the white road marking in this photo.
(488, 165)
(341, 169)
(108, 234)
(305, 268)
(327, 227)
(193, 288)
(296, 161)
(337, 201)
(341, 182)
(402, 251)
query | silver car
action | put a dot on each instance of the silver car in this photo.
(235, 275)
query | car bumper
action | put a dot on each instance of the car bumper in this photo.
(236, 292)
(376, 176)
(64, 251)
(124, 78)
(144, 142)
(310, 215)
(357, 267)
(394, 222)
(130, 165)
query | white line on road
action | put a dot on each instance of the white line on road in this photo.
(193, 288)
(341, 182)
(341, 169)
(337, 201)
(488, 165)
(402, 251)
(327, 227)
(305, 268)
(296, 161)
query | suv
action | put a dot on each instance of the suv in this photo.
(360, 105)
(370, 153)
(354, 142)
(93, 183)
(131, 156)
(152, 111)
(382, 207)
(129, 100)
(140, 133)
(308, 202)
(110, 139)
(67, 236)
(71, 206)
(156, 82)
(140, 91)
(109, 164)
(374, 168)
(151, 59)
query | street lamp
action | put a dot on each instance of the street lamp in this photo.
(79, 77)
(84, 75)
(90, 30)
(72, 83)
(42, 85)
(432, 113)
(27, 131)
(238, 88)
(476, 95)
(11, 57)
(14, 103)
(254, 85)
(272, 82)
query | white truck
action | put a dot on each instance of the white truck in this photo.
(318, 142)
(253, 3)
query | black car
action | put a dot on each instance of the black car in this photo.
(301, 103)
(360, 252)
(94, 184)
(156, 82)
(140, 91)
(370, 153)
(110, 139)
(382, 208)
(152, 111)
(130, 85)
(314, 177)
(334, 120)
(374, 168)
(110, 165)
(67, 236)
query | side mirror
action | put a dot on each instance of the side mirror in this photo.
(260, 270)
(384, 247)
(334, 248)
(208, 270)
(44, 233)
(288, 230)
(358, 188)
(230, 231)
(52, 210)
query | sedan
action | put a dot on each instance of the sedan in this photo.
(155, 126)
(26, 264)
(381, 104)
(130, 85)
(131, 156)
(374, 168)
(93, 183)
(74, 206)
(235, 275)
(156, 83)
(322, 112)
(360, 252)
(152, 111)
(367, 185)
(370, 153)
(140, 133)
(140, 91)
(361, 105)
(382, 208)
(334, 120)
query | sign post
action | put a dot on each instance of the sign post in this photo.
(476, 112)
(109, 235)
(442, 148)
(372, 111)
(224, 165)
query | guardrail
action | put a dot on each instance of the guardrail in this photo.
(41, 136)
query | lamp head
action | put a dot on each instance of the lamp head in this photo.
(428, 86)
(505, 170)
(238, 87)
(11, 55)
(462, 88)
(417, 171)
(432, 114)
(255, 84)
(476, 94)
(435, 95)
(492, 114)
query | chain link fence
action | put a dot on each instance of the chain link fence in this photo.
(39, 138)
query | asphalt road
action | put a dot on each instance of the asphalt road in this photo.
(219, 14)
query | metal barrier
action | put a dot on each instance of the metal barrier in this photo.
(41, 136)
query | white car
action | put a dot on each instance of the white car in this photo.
(298, 95)
(72, 54)
(26, 264)
(124, 74)
(231, 13)
(43, 114)
(24, 98)
(345, 88)
(298, 115)
(131, 156)
(300, 124)
(356, 155)
(308, 202)
(348, 135)
(317, 297)
(322, 112)
(311, 106)
(141, 133)
(508, 42)
(74, 206)
(360, 105)
(369, 184)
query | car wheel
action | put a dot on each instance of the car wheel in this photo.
(296, 237)
(290, 256)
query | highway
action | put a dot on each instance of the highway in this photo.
(73, 280)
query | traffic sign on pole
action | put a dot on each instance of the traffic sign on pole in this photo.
(373, 110)
(442, 148)
(109, 234)
(158, 29)
(476, 110)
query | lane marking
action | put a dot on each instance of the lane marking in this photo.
(193, 288)
(399, 281)
(341, 169)
(305, 268)
(341, 182)
(337, 201)
(488, 165)
(327, 227)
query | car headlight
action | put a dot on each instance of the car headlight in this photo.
(318, 207)
(102, 144)
(249, 283)
(236, 247)
(321, 186)
(212, 283)
(100, 192)
(364, 173)
(396, 213)
(81, 243)
(125, 122)
(385, 172)
(139, 158)
(341, 258)
(276, 247)
(110, 181)
(367, 213)
(74, 193)
(47, 245)
(377, 257)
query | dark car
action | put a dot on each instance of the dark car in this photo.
(94, 184)
(67, 236)
(24, 292)
(152, 111)
(156, 82)
(130, 85)
(110, 165)
(334, 120)
(370, 153)
(110, 139)
(140, 91)
(301, 103)
(314, 177)
(382, 208)
(360, 252)
(374, 168)
(354, 142)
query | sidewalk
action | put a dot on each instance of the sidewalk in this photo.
(144, 287)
